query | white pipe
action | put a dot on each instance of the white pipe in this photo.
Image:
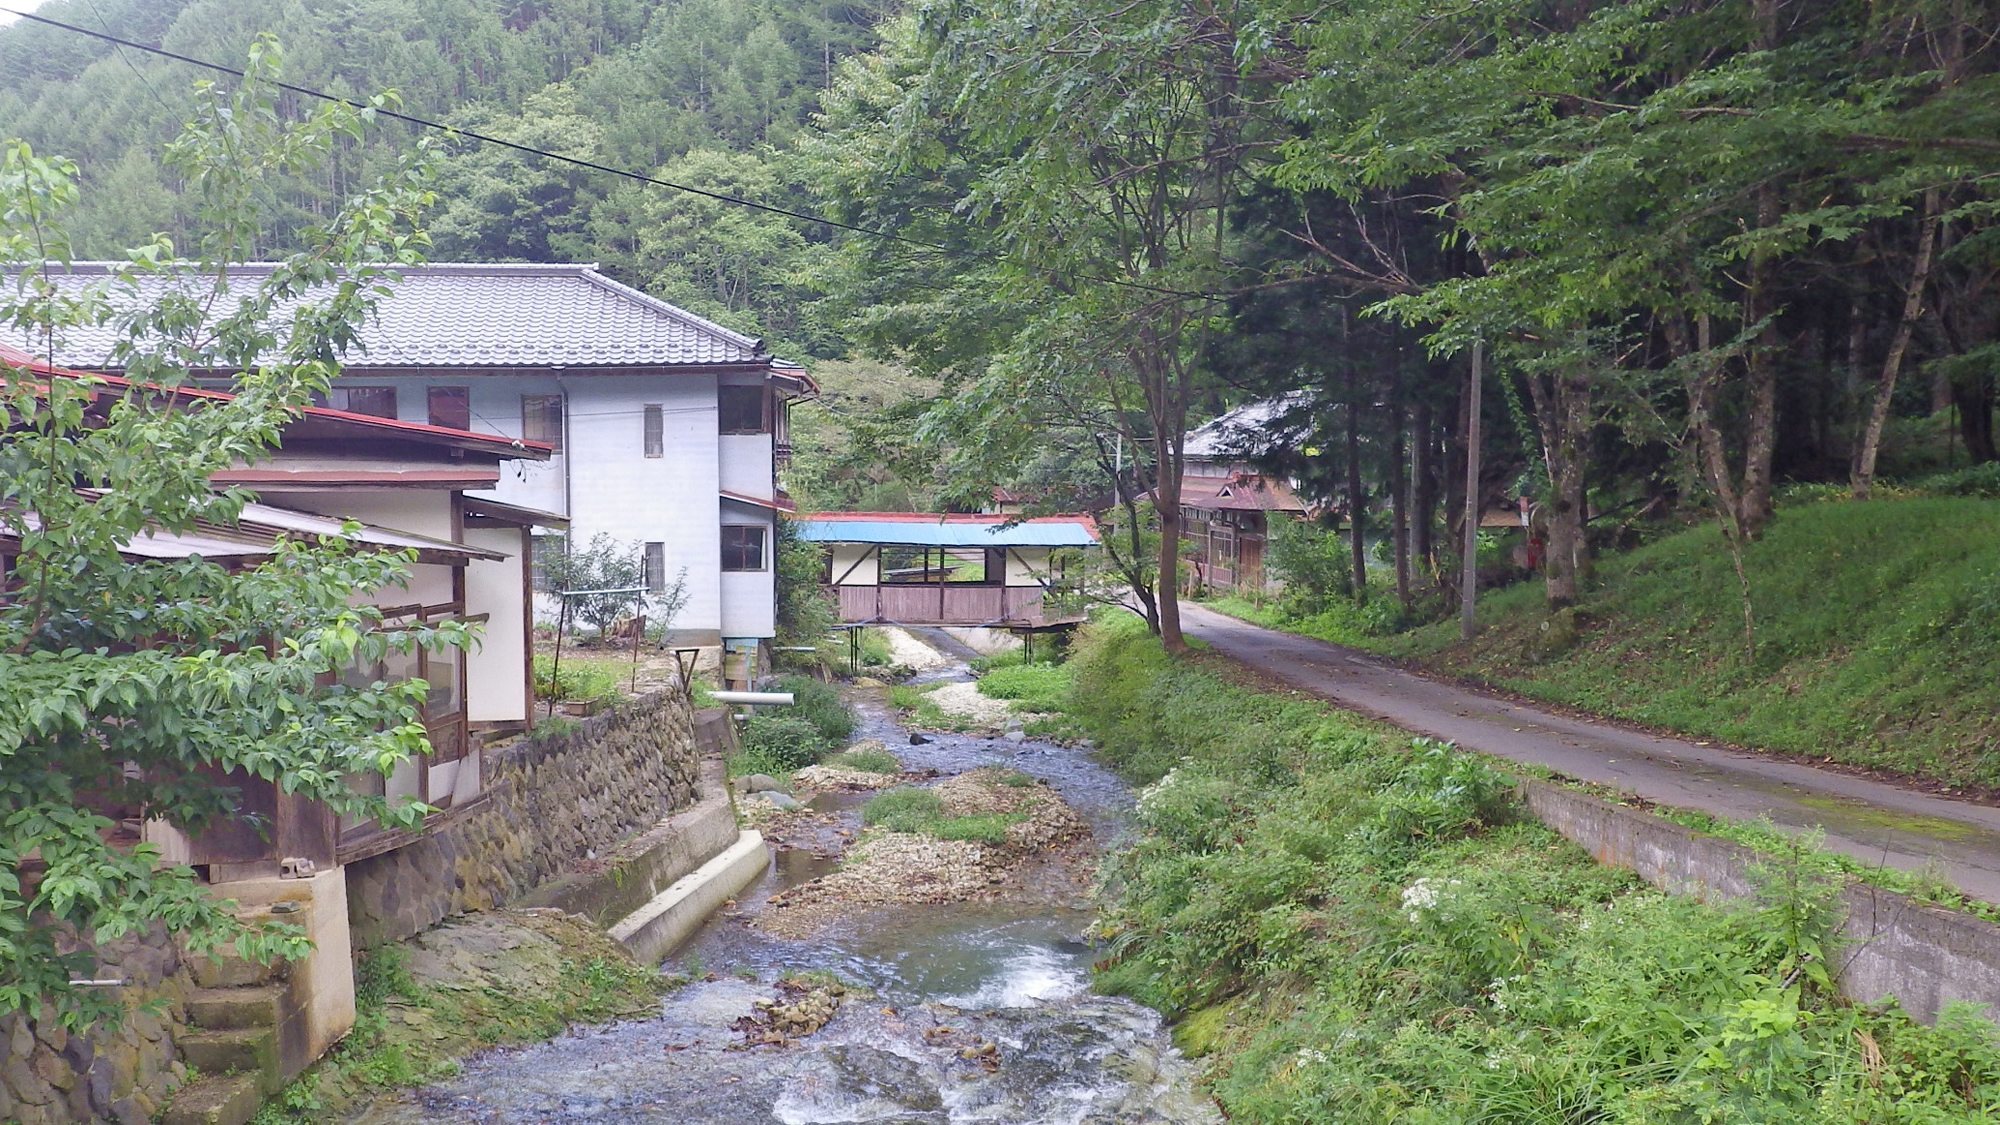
(754, 698)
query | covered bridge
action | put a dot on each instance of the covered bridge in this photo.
(916, 568)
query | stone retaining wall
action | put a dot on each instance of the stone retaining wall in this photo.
(1893, 946)
(551, 802)
(51, 1077)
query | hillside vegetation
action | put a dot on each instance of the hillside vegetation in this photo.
(1352, 926)
(1877, 638)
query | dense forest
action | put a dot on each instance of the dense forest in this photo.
(1705, 250)
(708, 93)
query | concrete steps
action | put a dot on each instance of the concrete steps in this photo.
(234, 1014)
(218, 1099)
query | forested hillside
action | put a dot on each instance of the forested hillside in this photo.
(703, 92)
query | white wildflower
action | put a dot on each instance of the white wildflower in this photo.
(1423, 896)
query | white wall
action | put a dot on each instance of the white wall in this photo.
(1027, 566)
(495, 667)
(865, 562)
(420, 511)
(749, 606)
(614, 489)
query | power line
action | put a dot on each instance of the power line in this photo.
(483, 138)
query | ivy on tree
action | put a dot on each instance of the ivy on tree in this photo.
(128, 685)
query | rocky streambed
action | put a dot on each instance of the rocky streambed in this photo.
(921, 982)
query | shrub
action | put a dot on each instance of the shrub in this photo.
(820, 705)
(1314, 564)
(1982, 481)
(782, 741)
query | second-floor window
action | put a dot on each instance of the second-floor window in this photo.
(741, 410)
(451, 407)
(542, 419)
(376, 402)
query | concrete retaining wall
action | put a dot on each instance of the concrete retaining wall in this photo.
(1923, 956)
(51, 1077)
(551, 803)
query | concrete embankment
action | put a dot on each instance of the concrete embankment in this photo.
(1924, 956)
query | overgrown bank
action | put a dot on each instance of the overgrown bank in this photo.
(1876, 630)
(483, 980)
(1357, 928)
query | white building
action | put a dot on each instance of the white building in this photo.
(670, 429)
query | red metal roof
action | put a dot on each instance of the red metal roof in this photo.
(504, 446)
(269, 476)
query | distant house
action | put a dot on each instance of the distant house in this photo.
(1227, 503)
(668, 430)
(917, 568)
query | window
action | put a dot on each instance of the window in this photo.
(656, 431)
(541, 549)
(742, 410)
(742, 547)
(376, 402)
(656, 567)
(542, 419)
(451, 407)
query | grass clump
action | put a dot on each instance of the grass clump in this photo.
(1031, 687)
(922, 812)
(1362, 928)
(869, 760)
(580, 680)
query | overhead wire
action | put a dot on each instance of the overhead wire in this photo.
(609, 170)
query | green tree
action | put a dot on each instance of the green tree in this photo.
(124, 681)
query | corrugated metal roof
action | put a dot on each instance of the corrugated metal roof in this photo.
(909, 529)
(1251, 430)
(469, 315)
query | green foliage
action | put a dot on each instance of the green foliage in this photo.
(921, 811)
(606, 563)
(580, 678)
(819, 704)
(124, 680)
(865, 761)
(1373, 937)
(805, 610)
(1876, 625)
(777, 745)
(1982, 481)
(1032, 687)
(904, 810)
(1314, 564)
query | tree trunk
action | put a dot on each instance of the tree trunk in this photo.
(1974, 399)
(1356, 545)
(1899, 344)
(1563, 415)
(1474, 501)
(1423, 499)
(1399, 509)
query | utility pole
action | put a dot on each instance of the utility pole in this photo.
(1469, 583)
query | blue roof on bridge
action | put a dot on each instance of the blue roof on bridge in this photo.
(918, 529)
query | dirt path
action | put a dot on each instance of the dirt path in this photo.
(1873, 821)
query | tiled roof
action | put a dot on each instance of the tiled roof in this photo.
(1251, 430)
(480, 315)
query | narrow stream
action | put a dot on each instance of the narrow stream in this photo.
(978, 1013)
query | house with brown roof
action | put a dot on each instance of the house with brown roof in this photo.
(1228, 504)
(667, 431)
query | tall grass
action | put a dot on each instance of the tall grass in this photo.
(1365, 928)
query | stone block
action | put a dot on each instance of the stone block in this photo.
(230, 1099)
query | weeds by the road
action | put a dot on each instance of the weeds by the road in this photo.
(1362, 928)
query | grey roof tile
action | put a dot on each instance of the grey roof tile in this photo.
(482, 315)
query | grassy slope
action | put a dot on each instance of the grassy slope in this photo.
(1878, 638)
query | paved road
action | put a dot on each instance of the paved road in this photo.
(1872, 821)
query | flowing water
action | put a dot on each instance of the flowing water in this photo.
(977, 1013)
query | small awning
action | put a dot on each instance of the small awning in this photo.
(512, 515)
(921, 529)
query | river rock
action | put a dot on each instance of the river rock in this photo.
(1016, 736)
(758, 783)
(784, 802)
